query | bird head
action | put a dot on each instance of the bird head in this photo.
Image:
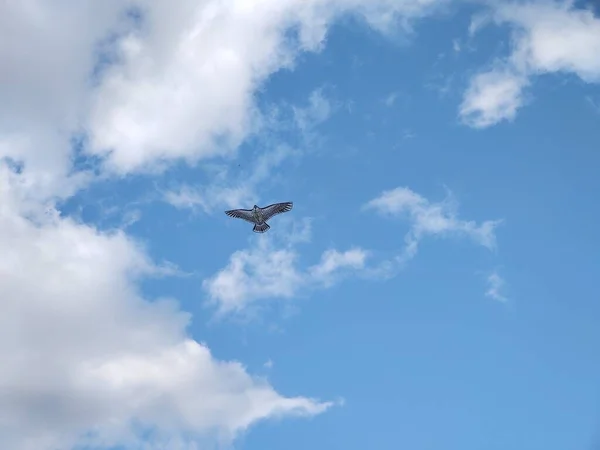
(256, 207)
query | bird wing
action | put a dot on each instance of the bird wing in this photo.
(276, 208)
(244, 214)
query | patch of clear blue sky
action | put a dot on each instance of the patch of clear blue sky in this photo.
(424, 361)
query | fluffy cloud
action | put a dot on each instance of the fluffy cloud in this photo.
(84, 352)
(170, 80)
(184, 83)
(224, 190)
(44, 85)
(271, 270)
(430, 219)
(85, 357)
(547, 37)
(553, 37)
(492, 97)
(251, 274)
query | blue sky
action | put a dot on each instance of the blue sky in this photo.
(433, 287)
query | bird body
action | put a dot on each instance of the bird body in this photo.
(259, 216)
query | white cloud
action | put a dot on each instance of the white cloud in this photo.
(43, 85)
(185, 82)
(224, 190)
(241, 189)
(492, 97)
(495, 287)
(554, 36)
(178, 83)
(84, 352)
(260, 272)
(318, 110)
(271, 270)
(547, 37)
(187, 197)
(430, 219)
(333, 261)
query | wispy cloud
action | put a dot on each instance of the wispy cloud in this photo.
(333, 262)
(187, 197)
(390, 99)
(408, 134)
(230, 192)
(307, 118)
(318, 110)
(593, 103)
(396, 98)
(456, 45)
(430, 219)
(270, 269)
(495, 287)
(224, 190)
(479, 21)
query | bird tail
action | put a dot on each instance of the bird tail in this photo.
(261, 228)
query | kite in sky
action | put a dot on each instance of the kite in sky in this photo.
(259, 216)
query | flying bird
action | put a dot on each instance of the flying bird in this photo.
(259, 216)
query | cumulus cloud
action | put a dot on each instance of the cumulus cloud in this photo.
(169, 81)
(555, 36)
(184, 82)
(43, 85)
(547, 37)
(251, 274)
(241, 189)
(430, 219)
(495, 286)
(492, 97)
(269, 270)
(86, 358)
(84, 352)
